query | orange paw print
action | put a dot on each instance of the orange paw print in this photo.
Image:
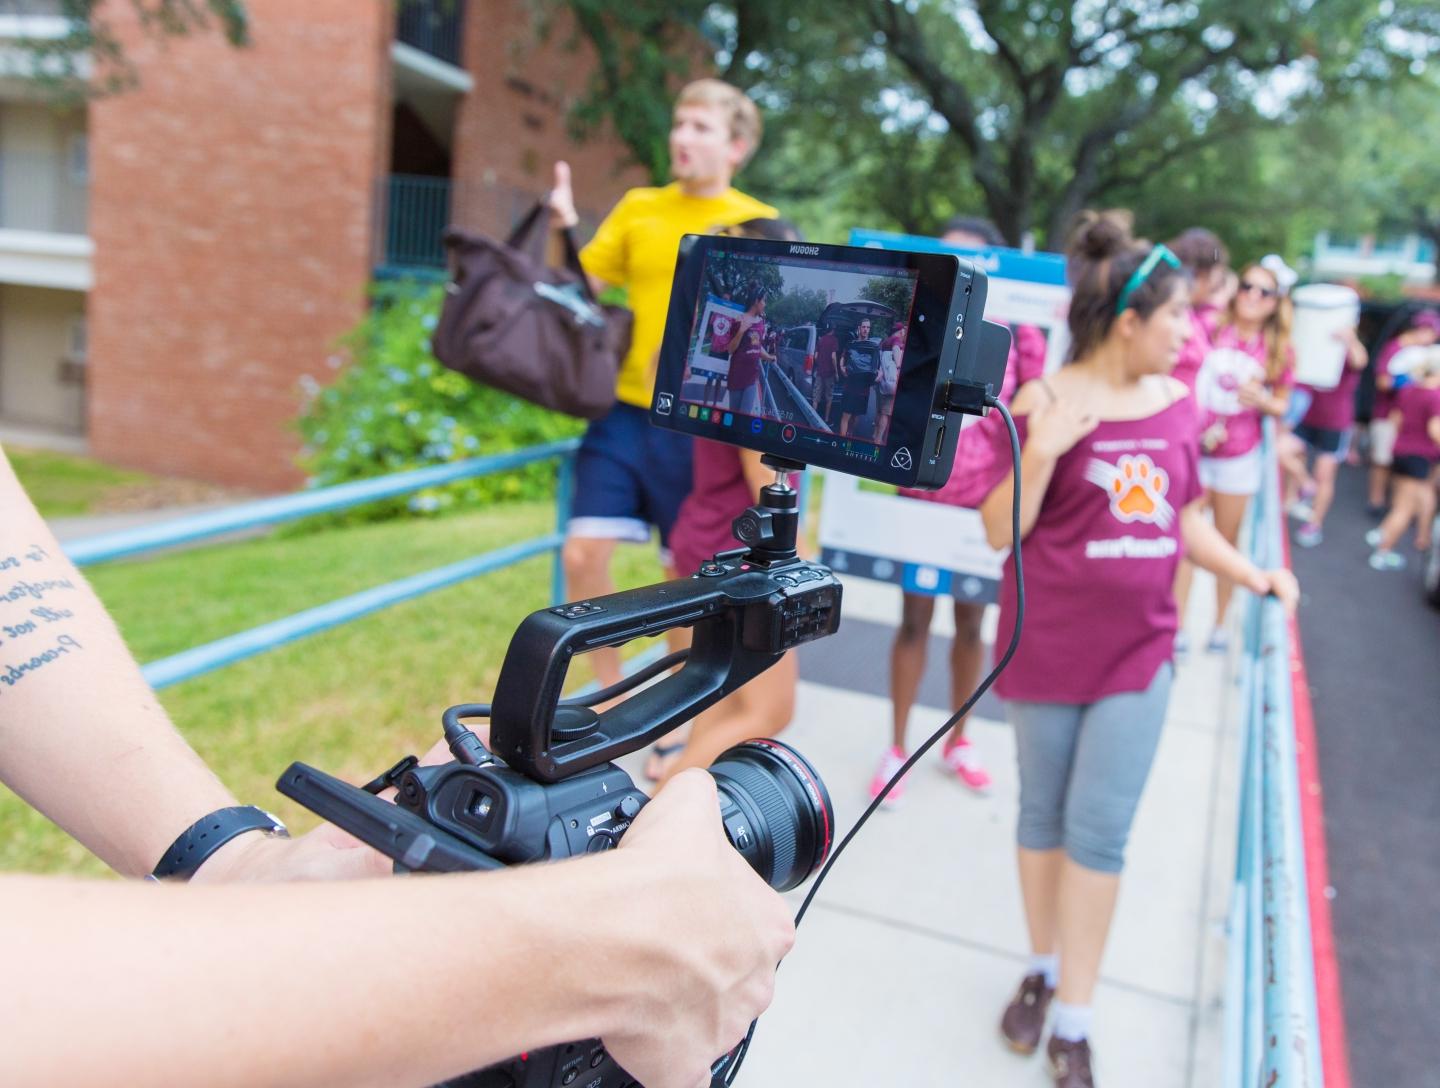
(1139, 488)
(1136, 489)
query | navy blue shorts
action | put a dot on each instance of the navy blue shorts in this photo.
(628, 477)
(1325, 440)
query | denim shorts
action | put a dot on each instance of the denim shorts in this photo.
(1325, 440)
(628, 477)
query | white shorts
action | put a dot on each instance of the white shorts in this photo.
(1382, 442)
(1233, 475)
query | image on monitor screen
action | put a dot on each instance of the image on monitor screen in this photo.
(814, 344)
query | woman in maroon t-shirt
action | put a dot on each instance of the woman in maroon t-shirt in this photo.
(1325, 430)
(1111, 494)
(1424, 330)
(1416, 418)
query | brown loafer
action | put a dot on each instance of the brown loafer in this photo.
(1024, 1021)
(1070, 1063)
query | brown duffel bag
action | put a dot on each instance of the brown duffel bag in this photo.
(512, 322)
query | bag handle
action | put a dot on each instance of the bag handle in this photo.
(572, 262)
(529, 234)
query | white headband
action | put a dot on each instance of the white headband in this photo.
(1285, 276)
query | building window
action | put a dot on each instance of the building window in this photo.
(77, 158)
(75, 340)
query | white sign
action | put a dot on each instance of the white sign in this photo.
(868, 530)
(709, 357)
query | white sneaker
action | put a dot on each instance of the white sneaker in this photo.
(1383, 560)
(1372, 537)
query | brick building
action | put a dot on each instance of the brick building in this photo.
(174, 259)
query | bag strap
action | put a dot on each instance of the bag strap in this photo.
(529, 234)
(572, 262)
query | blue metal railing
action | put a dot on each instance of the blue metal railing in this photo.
(226, 651)
(1272, 1034)
(417, 211)
(432, 26)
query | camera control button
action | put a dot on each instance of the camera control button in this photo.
(711, 570)
(569, 1077)
(577, 610)
(785, 579)
(628, 808)
(596, 1059)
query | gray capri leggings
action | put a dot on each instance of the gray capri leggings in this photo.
(1082, 768)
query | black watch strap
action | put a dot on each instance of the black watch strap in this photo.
(208, 834)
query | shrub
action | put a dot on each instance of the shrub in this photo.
(394, 407)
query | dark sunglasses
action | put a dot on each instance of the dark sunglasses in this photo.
(1264, 292)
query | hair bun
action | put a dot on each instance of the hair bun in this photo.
(1099, 236)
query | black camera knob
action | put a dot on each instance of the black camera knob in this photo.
(755, 527)
(628, 808)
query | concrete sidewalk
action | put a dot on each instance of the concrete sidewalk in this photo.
(917, 939)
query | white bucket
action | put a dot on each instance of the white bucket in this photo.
(1321, 311)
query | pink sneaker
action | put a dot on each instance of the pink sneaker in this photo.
(890, 762)
(961, 759)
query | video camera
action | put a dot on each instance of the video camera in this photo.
(546, 787)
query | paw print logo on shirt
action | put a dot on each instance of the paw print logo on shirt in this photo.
(1136, 489)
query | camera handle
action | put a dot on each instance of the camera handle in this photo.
(745, 612)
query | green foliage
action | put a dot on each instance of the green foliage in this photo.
(1383, 288)
(889, 291)
(898, 114)
(799, 306)
(727, 276)
(89, 60)
(394, 407)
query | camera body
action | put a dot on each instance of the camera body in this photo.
(547, 788)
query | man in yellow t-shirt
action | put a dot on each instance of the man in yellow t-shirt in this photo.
(629, 475)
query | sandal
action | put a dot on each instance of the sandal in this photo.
(661, 752)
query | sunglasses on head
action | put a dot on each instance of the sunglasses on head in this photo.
(1264, 292)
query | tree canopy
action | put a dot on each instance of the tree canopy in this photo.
(91, 35)
(903, 112)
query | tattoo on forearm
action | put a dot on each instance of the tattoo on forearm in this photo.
(33, 624)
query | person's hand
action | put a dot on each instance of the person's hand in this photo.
(327, 853)
(561, 200)
(712, 931)
(1282, 585)
(1252, 395)
(1056, 425)
(1355, 352)
(1213, 436)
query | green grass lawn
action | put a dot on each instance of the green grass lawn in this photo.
(352, 700)
(65, 486)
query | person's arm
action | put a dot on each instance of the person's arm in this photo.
(1271, 402)
(665, 949)
(1356, 355)
(1053, 427)
(605, 257)
(742, 326)
(1208, 549)
(85, 740)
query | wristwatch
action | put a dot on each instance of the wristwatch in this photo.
(207, 834)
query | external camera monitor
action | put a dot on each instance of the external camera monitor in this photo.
(835, 356)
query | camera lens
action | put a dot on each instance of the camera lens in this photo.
(777, 811)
